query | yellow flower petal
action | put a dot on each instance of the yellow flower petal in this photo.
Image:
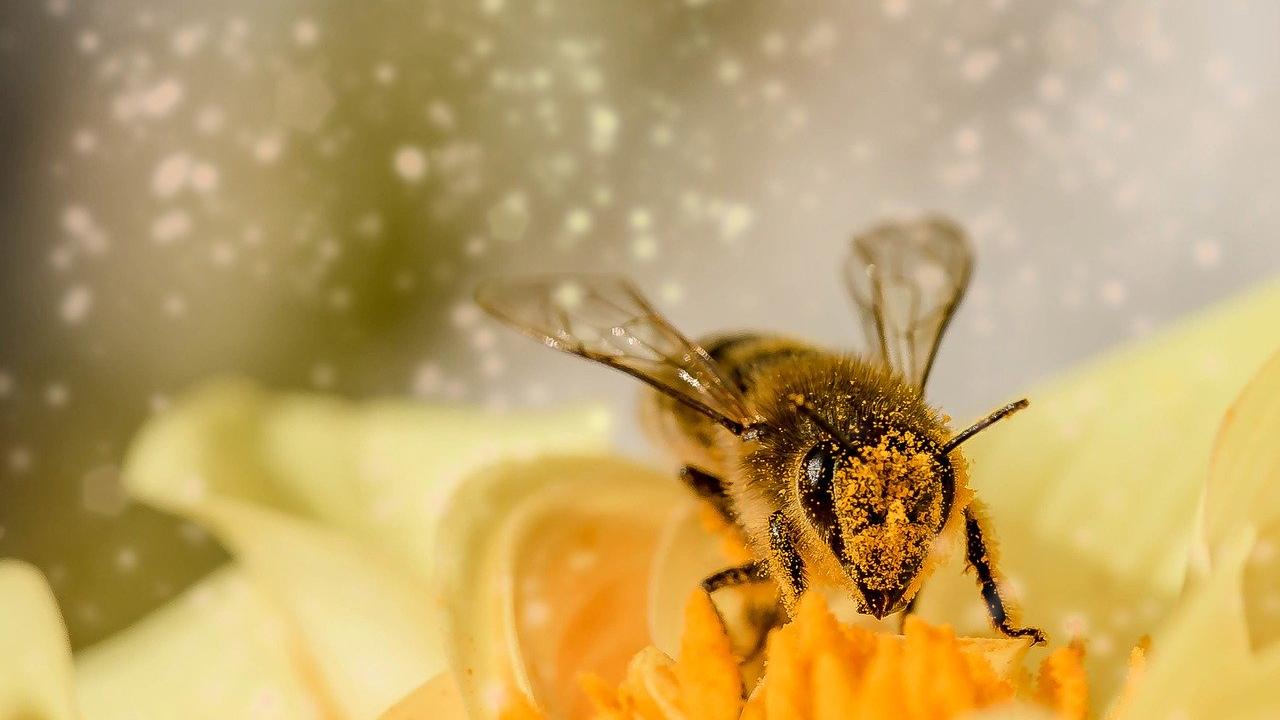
(220, 650)
(707, 674)
(332, 508)
(1201, 665)
(545, 576)
(1244, 489)
(438, 699)
(35, 657)
(1093, 490)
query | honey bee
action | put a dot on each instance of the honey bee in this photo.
(832, 465)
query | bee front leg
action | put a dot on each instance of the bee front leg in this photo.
(906, 611)
(746, 573)
(788, 569)
(709, 488)
(981, 560)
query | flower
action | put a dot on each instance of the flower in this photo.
(364, 566)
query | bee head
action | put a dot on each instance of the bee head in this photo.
(878, 507)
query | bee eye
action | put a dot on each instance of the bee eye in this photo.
(819, 466)
(816, 492)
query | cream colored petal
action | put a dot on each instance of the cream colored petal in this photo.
(1201, 664)
(332, 508)
(438, 699)
(547, 576)
(686, 554)
(1093, 490)
(220, 650)
(1244, 489)
(35, 657)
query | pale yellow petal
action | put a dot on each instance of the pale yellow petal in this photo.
(1201, 664)
(438, 699)
(687, 553)
(35, 657)
(220, 650)
(1244, 489)
(547, 575)
(1094, 489)
(332, 507)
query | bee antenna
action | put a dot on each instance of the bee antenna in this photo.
(821, 422)
(984, 423)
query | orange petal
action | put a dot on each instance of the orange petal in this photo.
(710, 686)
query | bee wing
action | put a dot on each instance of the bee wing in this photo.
(604, 318)
(907, 279)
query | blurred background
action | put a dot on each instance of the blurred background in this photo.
(305, 193)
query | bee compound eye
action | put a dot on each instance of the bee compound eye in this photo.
(817, 493)
(819, 466)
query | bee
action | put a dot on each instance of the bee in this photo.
(833, 466)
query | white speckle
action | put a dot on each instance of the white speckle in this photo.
(384, 73)
(267, 149)
(103, 492)
(204, 177)
(968, 140)
(640, 219)
(604, 128)
(729, 71)
(1208, 253)
(410, 163)
(979, 64)
(161, 99)
(773, 44)
(569, 295)
(57, 395)
(644, 248)
(1051, 88)
(340, 298)
(76, 304)
(465, 315)
(210, 120)
(323, 376)
(492, 7)
(174, 305)
(89, 42)
(19, 460)
(735, 218)
(578, 221)
(896, 9)
(1113, 293)
(127, 559)
(492, 366)
(84, 141)
(306, 32)
(6, 384)
(171, 175)
(223, 254)
(509, 218)
(170, 226)
(426, 379)
(188, 40)
(671, 292)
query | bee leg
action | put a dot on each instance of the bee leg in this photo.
(790, 579)
(752, 572)
(910, 608)
(709, 488)
(981, 560)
